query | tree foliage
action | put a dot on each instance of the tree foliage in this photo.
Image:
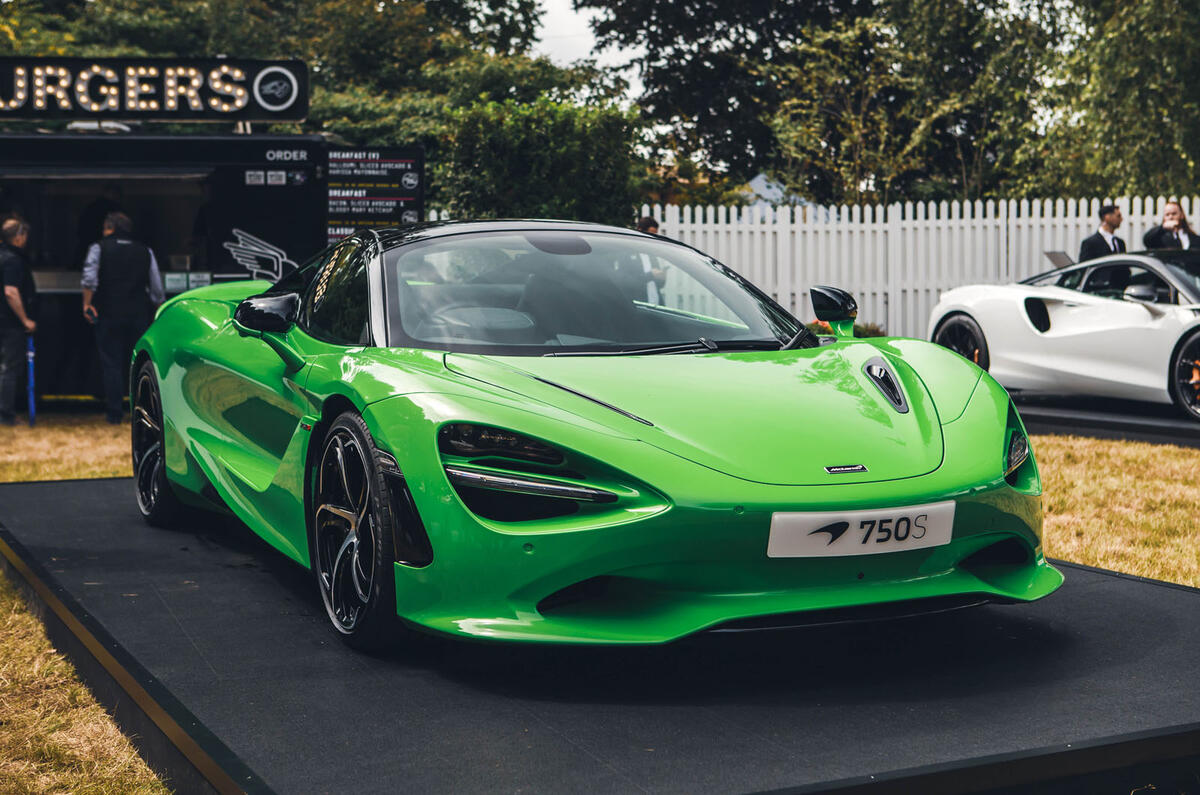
(542, 159)
(1122, 116)
(977, 71)
(847, 128)
(698, 62)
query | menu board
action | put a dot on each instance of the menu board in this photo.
(373, 188)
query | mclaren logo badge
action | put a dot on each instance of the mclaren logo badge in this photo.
(835, 530)
(846, 468)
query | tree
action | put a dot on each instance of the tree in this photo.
(27, 28)
(846, 128)
(1122, 117)
(980, 66)
(543, 159)
(697, 63)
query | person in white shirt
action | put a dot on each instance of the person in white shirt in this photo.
(1173, 232)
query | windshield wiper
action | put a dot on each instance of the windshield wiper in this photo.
(702, 345)
(803, 339)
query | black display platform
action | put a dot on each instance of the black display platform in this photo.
(1108, 418)
(227, 642)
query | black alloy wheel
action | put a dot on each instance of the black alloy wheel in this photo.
(1185, 376)
(352, 550)
(155, 499)
(961, 334)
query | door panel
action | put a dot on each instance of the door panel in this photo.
(1104, 344)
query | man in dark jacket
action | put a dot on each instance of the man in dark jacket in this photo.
(1173, 232)
(1105, 241)
(118, 275)
(16, 310)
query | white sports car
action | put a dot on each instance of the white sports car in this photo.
(1124, 326)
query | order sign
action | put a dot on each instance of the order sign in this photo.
(806, 534)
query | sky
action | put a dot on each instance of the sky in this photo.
(566, 37)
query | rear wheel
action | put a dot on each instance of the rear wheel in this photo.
(155, 499)
(1185, 376)
(352, 536)
(961, 334)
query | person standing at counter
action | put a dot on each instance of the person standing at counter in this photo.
(16, 310)
(118, 275)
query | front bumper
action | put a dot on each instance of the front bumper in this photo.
(691, 555)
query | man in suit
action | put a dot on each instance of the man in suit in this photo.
(1105, 241)
(1173, 232)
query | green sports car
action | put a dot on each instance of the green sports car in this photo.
(563, 432)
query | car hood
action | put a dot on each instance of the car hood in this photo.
(778, 417)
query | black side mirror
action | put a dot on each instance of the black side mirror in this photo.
(1141, 292)
(268, 312)
(832, 304)
(836, 307)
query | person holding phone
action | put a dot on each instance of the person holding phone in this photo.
(16, 310)
(1173, 232)
(119, 275)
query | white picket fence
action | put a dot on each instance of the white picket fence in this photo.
(897, 259)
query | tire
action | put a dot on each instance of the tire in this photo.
(155, 497)
(351, 541)
(1184, 378)
(961, 334)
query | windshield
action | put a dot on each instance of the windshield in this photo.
(540, 292)
(1185, 268)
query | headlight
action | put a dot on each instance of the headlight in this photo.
(509, 477)
(473, 441)
(1018, 451)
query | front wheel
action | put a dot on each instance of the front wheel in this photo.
(155, 499)
(961, 334)
(1185, 376)
(352, 536)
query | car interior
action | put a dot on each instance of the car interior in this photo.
(519, 294)
(1111, 281)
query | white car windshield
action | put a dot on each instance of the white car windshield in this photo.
(543, 292)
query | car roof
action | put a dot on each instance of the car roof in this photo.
(390, 237)
(1149, 258)
(1154, 261)
(1173, 255)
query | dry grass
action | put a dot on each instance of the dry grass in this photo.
(64, 446)
(54, 737)
(1126, 506)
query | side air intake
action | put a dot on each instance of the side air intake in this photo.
(1038, 315)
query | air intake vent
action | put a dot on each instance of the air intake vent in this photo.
(1038, 315)
(878, 371)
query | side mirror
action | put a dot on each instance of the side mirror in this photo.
(836, 307)
(1144, 293)
(268, 312)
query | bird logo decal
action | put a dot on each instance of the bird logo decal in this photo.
(260, 258)
(835, 530)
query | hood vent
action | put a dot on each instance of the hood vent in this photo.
(883, 377)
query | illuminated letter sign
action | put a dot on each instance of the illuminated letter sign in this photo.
(160, 89)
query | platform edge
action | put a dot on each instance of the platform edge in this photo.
(175, 744)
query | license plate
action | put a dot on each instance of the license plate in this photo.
(805, 534)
